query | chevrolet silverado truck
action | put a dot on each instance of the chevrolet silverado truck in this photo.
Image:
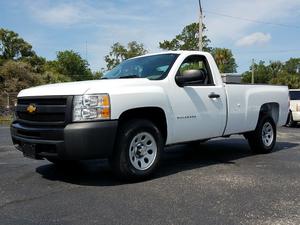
(141, 106)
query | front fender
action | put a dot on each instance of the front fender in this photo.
(140, 97)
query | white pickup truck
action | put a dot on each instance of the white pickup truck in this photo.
(142, 105)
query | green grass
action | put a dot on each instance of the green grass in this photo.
(7, 118)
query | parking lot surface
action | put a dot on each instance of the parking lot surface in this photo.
(219, 182)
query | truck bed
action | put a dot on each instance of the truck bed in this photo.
(244, 103)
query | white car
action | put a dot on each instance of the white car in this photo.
(142, 105)
(294, 113)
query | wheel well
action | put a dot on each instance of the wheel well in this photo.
(271, 109)
(154, 114)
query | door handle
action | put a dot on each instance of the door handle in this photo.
(213, 95)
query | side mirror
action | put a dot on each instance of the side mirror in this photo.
(190, 76)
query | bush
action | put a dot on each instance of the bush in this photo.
(291, 80)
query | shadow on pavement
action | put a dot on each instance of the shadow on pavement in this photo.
(175, 159)
(297, 125)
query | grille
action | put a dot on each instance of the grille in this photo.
(48, 110)
(42, 101)
(45, 117)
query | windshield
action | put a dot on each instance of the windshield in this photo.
(295, 95)
(153, 67)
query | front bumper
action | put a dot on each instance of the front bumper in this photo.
(75, 141)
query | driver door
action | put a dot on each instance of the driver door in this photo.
(199, 107)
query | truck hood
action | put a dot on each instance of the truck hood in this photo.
(83, 87)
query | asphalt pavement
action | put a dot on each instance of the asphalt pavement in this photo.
(219, 182)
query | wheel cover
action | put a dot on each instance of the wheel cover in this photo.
(142, 151)
(267, 134)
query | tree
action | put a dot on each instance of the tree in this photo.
(120, 53)
(13, 47)
(50, 77)
(225, 60)
(291, 80)
(97, 75)
(262, 74)
(38, 63)
(16, 75)
(21, 68)
(275, 67)
(292, 65)
(70, 63)
(275, 73)
(188, 39)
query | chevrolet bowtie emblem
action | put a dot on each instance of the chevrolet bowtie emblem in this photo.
(31, 108)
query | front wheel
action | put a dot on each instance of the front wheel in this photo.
(138, 150)
(263, 139)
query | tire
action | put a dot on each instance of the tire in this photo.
(290, 121)
(263, 139)
(138, 150)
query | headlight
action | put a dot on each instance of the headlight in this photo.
(91, 107)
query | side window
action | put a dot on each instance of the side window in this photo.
(196, 62)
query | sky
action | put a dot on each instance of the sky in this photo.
(253, 29)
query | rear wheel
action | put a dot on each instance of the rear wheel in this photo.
(138, 150)
(263, 139)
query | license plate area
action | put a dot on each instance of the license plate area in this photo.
(29, 150)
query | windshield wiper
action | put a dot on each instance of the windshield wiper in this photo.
(129, 76)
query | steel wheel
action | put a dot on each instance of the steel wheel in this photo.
(142, 151)
(138, 150)
(263, 138)
(267, 134)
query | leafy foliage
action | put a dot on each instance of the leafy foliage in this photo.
(225, 60)
(21, 68)
(38, 63)
(17, 75)
(292, 65)
(97, 75)
(262, 74)
(50, 77)
(13, 47)
(291, 80)
(188, 39)
(120, 53)
(70, 64)
(277, 72)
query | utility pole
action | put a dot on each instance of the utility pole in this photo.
(252, 77)
(200, 27)
(86, 50)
